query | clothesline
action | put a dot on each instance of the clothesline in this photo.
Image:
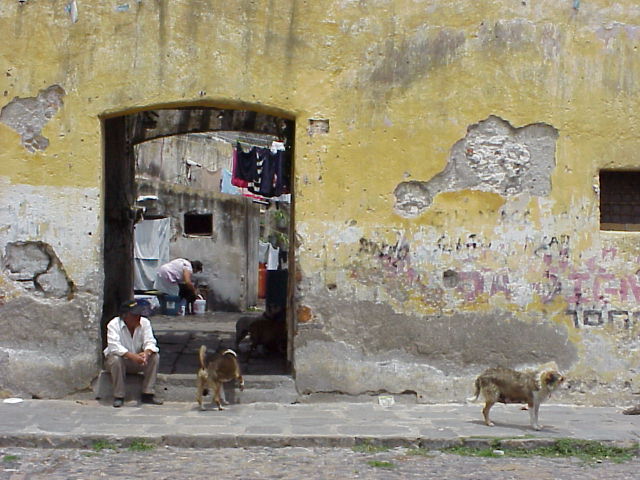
(245, 138)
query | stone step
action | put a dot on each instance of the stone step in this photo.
(182, 388)
(255, 381)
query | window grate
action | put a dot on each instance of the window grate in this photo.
(619, 200)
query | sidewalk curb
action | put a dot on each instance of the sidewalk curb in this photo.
(28, 440)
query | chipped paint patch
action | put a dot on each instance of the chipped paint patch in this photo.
(493, 157)
(27, 116)
(318, 127)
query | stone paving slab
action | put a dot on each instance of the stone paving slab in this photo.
(65, 423)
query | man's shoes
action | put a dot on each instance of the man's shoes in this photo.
(150, 399)
(118, 402)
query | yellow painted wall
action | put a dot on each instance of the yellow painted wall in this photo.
(400, 81)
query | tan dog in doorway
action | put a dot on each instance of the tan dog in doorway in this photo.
(504, 385)
(222, 367)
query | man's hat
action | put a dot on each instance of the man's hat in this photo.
(132, 307)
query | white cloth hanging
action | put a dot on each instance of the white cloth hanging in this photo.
(273, 258)
(263, 251)
(150, 250)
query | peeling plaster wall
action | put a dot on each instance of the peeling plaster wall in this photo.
(493, 157)
(67, 219)
(49, 289)
(27, 116)
(501, 262)
(37, 268)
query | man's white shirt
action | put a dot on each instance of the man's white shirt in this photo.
(120, 341)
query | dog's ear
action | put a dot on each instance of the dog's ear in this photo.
(551, 378)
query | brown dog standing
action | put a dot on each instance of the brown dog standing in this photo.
(504, 385)
(222, 367)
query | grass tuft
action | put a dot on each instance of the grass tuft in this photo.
(587, 450)
(380, 464)
(140, 446)
(420, 452)
(367, 447)
(100, 445)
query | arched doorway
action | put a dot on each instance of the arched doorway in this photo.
(226, 230)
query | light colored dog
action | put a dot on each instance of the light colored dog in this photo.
(504, 385)
(222, 367)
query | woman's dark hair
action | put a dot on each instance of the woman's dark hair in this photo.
(196, 265)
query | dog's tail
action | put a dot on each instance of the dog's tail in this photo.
(203, 356)
(476, 393)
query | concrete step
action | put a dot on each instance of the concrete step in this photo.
(182, 388)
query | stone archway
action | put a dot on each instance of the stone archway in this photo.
(121, 134)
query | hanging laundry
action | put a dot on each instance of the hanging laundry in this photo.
(254, 185)
(273, 258)
(263, 251)
(244, 167)
(266, 173)
(263, 171)
(273, 172)
(282, 175)
(226, 185)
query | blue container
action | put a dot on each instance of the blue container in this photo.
(170, 305)
(150, 303)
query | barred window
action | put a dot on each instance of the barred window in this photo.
(620, 200)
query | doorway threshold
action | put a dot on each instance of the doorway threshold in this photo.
(180, 338)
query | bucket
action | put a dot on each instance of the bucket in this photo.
(199, 306)
(171, 305)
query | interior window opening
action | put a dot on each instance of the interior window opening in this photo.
(198, 224)
(220, 196)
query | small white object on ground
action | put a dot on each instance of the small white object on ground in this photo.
(386, 400)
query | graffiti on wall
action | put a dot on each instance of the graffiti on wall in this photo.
(599, 318)
(590, 289)
(391, 265)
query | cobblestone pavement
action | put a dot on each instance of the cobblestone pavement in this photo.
(292, 463)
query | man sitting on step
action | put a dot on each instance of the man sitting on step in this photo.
(132, 348)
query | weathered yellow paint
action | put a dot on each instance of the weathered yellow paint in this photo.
(400, 82)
